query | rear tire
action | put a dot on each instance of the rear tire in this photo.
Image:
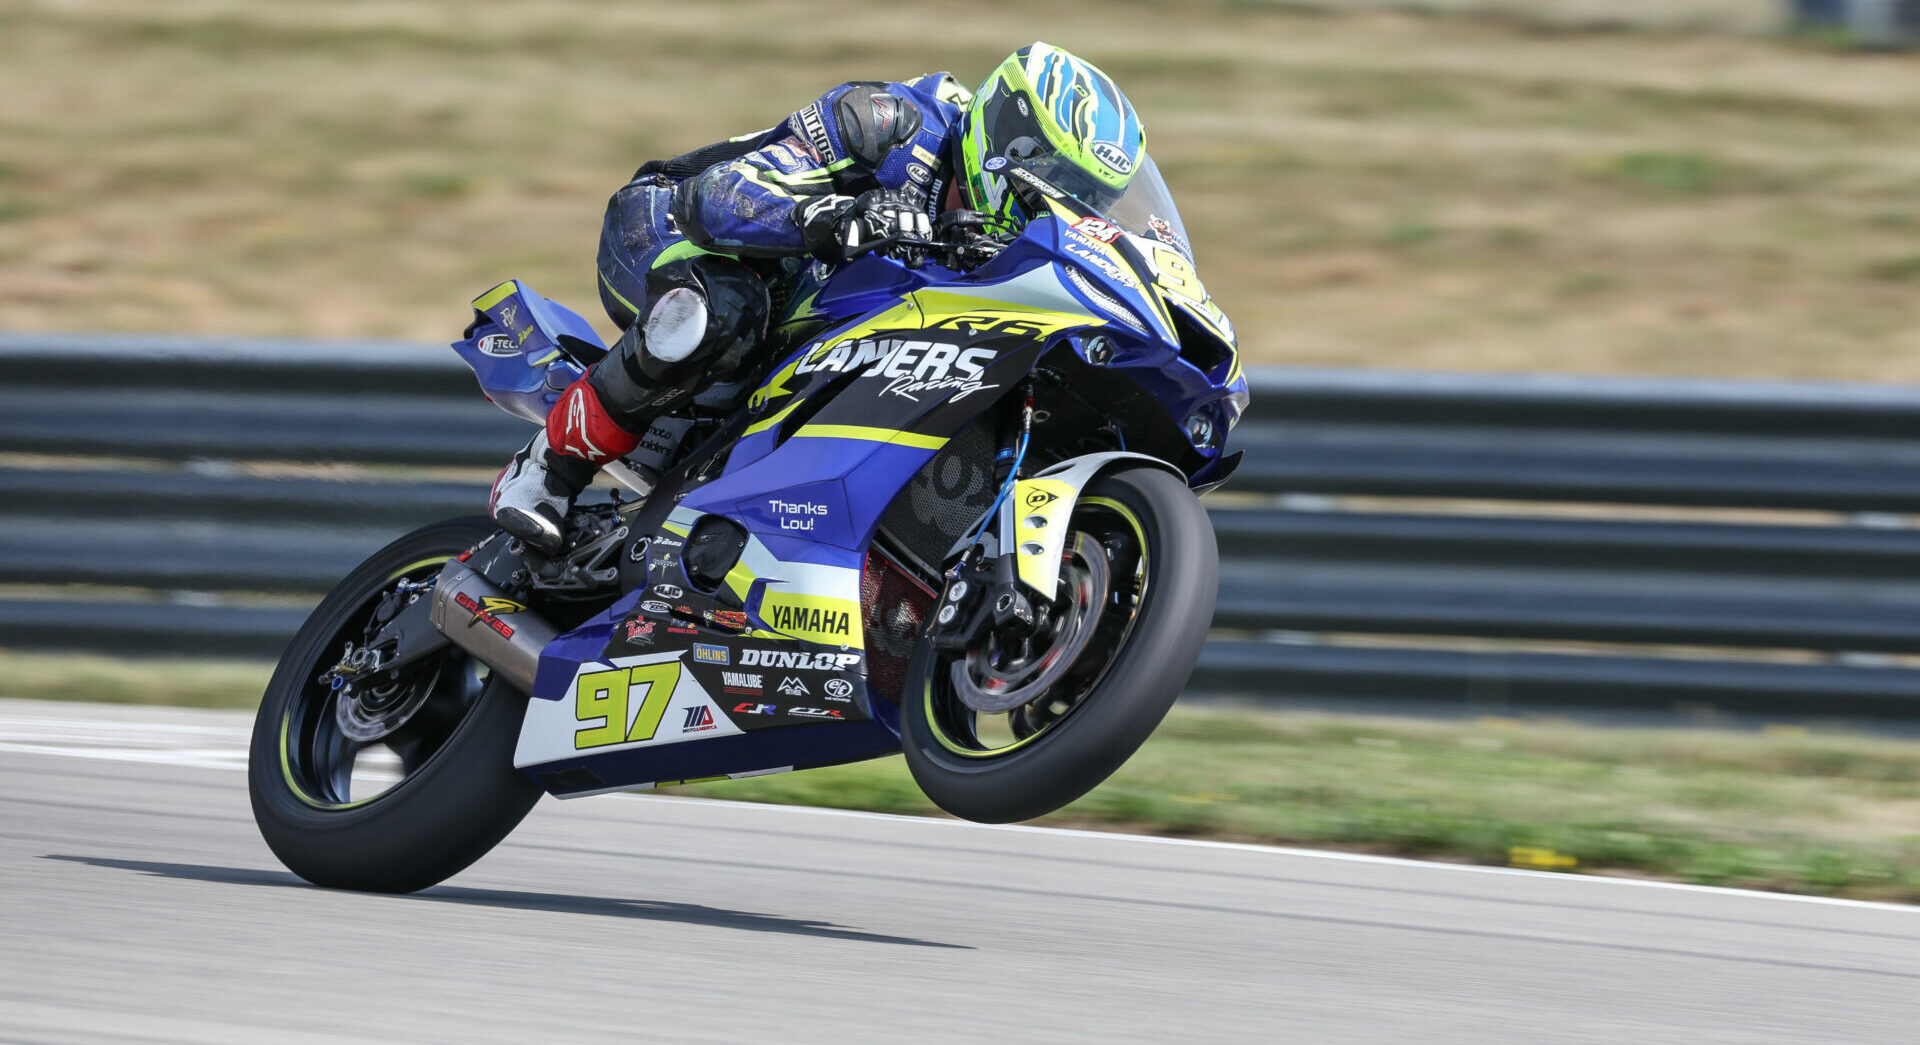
(459, 794)
(1066, 742)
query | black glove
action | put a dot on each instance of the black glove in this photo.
(833, 226)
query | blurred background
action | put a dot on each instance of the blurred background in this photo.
(1701, 189)
(1590, 186)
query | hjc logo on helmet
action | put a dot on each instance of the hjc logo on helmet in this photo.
(1113, 156)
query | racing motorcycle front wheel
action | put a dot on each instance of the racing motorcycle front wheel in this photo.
(385, 781)
(1012, 730)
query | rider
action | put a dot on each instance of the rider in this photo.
(690, 245)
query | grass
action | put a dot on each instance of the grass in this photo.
(1560, 185)
(1804, 812)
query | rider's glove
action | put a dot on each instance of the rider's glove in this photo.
(832, 227)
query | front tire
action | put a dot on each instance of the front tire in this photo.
(1152, 599)
(320, 810)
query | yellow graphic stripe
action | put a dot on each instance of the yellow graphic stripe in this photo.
(624, 303)
(495, 296)
(876, 435)
(761, 426)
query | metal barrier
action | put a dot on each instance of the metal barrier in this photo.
(1466, 541)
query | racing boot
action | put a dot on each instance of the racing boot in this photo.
(536, 490)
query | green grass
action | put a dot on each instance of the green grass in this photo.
(108, 680)
(1805, 812)
(1575, 185)
(1820, 814)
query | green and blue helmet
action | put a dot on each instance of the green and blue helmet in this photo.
(1055, 115)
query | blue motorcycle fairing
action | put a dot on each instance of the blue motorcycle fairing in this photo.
(515, 349)
(842, 424)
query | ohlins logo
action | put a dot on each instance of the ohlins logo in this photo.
(766, 658)
(488, 609)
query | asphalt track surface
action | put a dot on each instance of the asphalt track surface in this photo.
(137, 903)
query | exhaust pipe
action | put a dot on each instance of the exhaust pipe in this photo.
(501, 632)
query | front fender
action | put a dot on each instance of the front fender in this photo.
(1040, 507)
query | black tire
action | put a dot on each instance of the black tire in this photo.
(1127, 679)
(459, 794)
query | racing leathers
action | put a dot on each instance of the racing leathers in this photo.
(695, 251)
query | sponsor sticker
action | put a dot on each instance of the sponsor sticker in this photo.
(838, 689)
(710, 654)
(811, 617)
(699, 720)
(656, 606)
(815, 713)
(793, 687)
(498, 345)
(668, 591)
(742, 683)
(755, 709)
(767, 658)
(640, 632)
(489, 610)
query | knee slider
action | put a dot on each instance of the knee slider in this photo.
(713, 315)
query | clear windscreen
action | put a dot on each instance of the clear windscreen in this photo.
(1144, 208)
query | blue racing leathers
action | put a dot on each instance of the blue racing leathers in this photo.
(738, 198)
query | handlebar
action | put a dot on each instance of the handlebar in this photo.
(962, 243)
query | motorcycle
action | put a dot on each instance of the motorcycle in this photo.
(954, 516)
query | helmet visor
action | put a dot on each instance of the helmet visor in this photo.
(1069, 177)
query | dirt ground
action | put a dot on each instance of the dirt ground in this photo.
(1567, 185)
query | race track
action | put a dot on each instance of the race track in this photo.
(140, 905)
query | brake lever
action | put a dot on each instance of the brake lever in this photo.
(891, 243)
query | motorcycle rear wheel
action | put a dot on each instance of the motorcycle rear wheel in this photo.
(318, 807)
(1149, 603)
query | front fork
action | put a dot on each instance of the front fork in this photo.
(1007, 580)
(984, 592)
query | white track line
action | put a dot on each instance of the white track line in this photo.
(225, 748)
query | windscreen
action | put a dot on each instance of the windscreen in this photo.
(1144, 208)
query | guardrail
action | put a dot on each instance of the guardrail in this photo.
(1468, 541)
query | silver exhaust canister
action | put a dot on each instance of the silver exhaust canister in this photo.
(503, 633)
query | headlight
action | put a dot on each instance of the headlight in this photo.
(1200, 430)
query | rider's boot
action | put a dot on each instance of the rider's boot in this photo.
(533, 494)
(708, 315)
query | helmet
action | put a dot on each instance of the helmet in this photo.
(1056, 115)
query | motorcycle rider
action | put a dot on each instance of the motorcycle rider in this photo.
(690, 245)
